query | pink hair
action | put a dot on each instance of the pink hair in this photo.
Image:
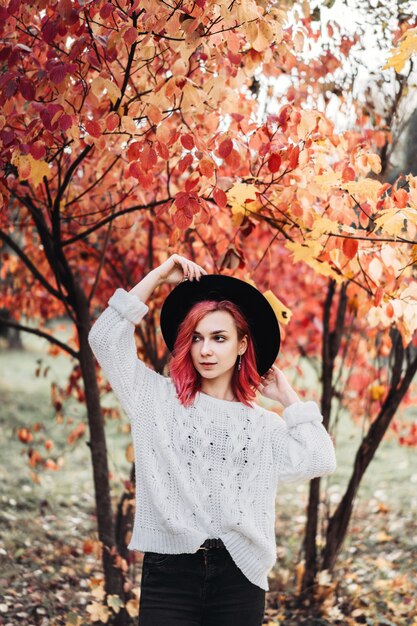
(183, 373)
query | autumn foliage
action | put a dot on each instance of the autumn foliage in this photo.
(131, 129)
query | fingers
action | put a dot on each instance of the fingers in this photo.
(191, 270)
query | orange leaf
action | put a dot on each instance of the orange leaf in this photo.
(350, 247)
(206, 167)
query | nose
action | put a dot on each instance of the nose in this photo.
(205, 347)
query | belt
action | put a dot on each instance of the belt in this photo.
(212, 543)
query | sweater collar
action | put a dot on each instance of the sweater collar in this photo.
(205, 399)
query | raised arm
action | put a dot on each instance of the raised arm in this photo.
(112, 336)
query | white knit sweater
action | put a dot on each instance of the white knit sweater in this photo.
(210, 470)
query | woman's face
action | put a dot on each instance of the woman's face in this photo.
(215, 346)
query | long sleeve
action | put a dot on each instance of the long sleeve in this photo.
(302, 447)
(112, 340)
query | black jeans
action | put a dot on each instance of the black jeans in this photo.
(201, 589)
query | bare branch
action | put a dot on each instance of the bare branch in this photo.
(40, 333)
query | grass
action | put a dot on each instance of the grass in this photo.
(43, 524)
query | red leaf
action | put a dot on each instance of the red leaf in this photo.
(378, 296)
(401, 198)
(27, 89)
(93, 128)
(112, 121)
(182, 220)
(65, 122)
(274, 163)
(77, 47)
(185, 162)
(10, 88)
(106, 10)
(64, 9)
(225, 148)
(181, 199)
(37, 150)
(234, 58)
(191, 182)
(14, 6)
(293, 157)
(220, 197)
(350, 247)
(49, 30)
(233, 160)
(134, 169)
(148, 157)
(130, 35)
(187, 141)
(58, 73)
(133, 150)
(162, 150)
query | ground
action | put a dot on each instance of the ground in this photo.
(49, 573)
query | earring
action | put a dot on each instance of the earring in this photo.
(240, 363)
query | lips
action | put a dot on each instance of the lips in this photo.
(207, 364)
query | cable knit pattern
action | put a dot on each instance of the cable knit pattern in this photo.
(209, 470)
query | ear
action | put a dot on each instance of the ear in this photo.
(243, 345)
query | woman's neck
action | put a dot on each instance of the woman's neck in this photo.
(218, 392)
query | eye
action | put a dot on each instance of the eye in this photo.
(220, 337)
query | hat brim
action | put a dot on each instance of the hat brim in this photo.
(255, 307)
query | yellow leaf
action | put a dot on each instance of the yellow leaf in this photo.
(308, 123)
(190, 97)
(98, 612)
(282, 312)
(328, 180)
(363, 187)
(30, 168)
(115, 603)
(324, 269)
(98, 592)
(242, 197)
(376, 391)
(374, 161)
(306, 251)
(399, 55)
(132, 607)
(323, 225)
(382, 537)
(391, 221)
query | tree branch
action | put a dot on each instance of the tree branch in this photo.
(40, 333)
(110, 218)
(36, 273)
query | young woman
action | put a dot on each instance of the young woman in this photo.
(208, 458)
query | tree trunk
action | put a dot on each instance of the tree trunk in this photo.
(338, 523)
(113, 574)
(330, 349)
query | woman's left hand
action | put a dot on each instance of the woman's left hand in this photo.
(275, 386)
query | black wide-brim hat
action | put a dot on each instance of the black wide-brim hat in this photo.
(263, 323)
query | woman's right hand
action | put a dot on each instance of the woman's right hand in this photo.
(177, 268)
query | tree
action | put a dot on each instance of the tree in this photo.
(129, 130)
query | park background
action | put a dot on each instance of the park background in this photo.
(271, 142)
